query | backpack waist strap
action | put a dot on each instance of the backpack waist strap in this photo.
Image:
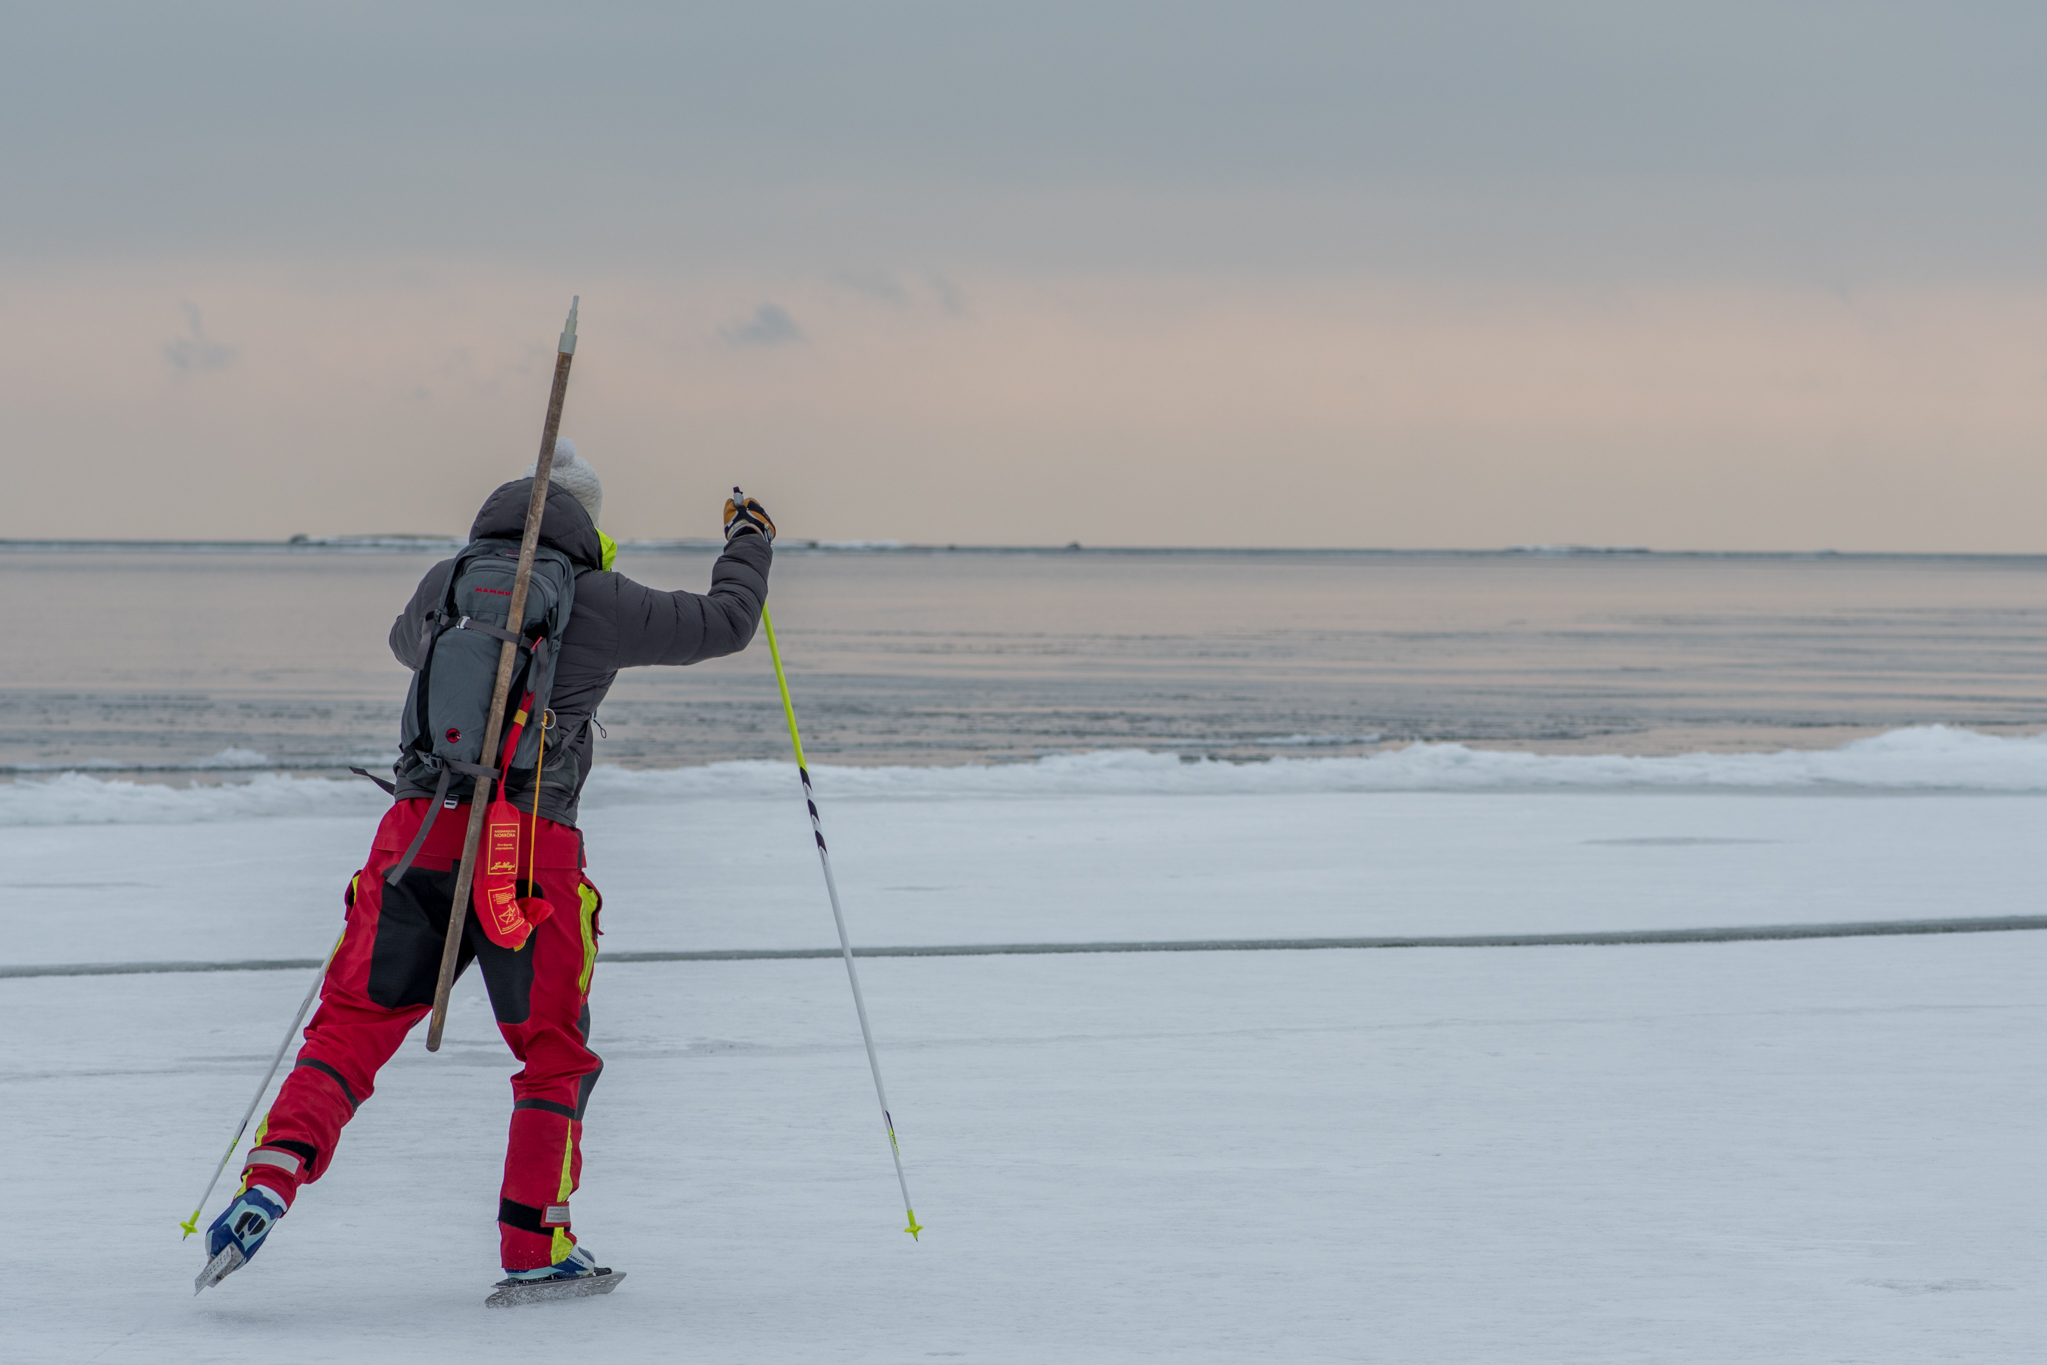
(560, 846)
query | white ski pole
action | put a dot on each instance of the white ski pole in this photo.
(831, 887)
(191, 1225)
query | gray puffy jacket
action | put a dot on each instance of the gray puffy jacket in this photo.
(616, 623)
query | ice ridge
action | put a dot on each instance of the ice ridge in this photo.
(1922, 758)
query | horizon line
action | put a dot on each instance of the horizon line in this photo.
(410, 543)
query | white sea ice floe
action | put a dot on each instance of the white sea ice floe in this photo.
(78, 799)
(1921, 758)
(234, 757)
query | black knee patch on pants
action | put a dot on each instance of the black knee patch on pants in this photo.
(412, 927)
(412, 924)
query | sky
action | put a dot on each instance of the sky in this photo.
(1739, 276)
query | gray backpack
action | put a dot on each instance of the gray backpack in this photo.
(448, 706)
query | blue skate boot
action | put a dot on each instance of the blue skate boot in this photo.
(236, 1235)
(573, 1277)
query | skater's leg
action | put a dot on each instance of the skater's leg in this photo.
(543, 1153)
(378, 986)
(371, 994)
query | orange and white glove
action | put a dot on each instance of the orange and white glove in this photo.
(745, 517)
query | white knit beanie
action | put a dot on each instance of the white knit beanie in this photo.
(572, 474)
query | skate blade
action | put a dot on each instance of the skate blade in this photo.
(546, 1291)
(219, 1268)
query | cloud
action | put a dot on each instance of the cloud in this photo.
(948, 295)
(198, 351)
(878, 285)
(770, 325)
(930, 289)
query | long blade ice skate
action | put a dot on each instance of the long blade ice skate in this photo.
(220, 1267)
(514, 1292)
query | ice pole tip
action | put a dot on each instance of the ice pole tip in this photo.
(568, 341)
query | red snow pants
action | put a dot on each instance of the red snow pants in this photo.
(381, 983)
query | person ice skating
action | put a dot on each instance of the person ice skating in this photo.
(382, 977)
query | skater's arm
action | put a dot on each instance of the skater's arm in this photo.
(685, 627)
(426, 599)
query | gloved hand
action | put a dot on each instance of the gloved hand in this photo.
(745, 517)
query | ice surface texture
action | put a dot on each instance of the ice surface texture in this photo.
(1785, 1152)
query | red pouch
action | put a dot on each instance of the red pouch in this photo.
(507, 916)
(497, 900)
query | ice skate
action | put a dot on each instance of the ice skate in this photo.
(575, 1276)
(238, 1234)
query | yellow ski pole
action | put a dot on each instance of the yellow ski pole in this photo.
(832, 889)
(191, 1225)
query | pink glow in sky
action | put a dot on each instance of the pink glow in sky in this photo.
(1306, 275)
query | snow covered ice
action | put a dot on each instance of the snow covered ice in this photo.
(1805, 1151)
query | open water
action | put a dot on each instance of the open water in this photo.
(188, 660)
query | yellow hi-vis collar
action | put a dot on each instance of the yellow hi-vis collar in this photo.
(610, 551)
